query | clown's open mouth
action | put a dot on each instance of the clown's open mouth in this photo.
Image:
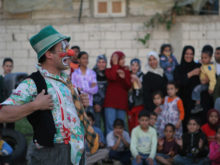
(66, 61)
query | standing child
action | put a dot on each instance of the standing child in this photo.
(168, 61)
(209, 129)
(207, 72)
(173, 111)
(214, 154)
(135, 95)
(194, 146)
(167, 147)
(119, 142)
(143, 141)
(85, 79)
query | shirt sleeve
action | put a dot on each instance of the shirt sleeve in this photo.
(154, 144)
(111, 73)
(127, 137)
(110, 140)
(134, 142)
(92, 90)
(24, 93)
(180, 108)
(212, 77)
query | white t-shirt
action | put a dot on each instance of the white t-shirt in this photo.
(218, 69)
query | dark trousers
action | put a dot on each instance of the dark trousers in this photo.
(122, 156)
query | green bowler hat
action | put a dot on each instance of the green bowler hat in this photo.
(46, 39)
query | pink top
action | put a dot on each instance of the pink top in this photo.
(214, 154)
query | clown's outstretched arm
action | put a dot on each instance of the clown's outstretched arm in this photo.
(11, 113)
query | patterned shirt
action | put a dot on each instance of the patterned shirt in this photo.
(84, 82)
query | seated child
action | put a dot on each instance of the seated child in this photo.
(102, 152)
(209, 129)
(143, 141)
(5, 151)
(214, 154)
(167, 147)
(207, 72)
(193, 145)
(153, 119)
(118, 141)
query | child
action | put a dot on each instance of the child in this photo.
(168, 61)
(98, 98)
(209, 129)
(207, 72)
(85, 79)
(135, 95)
(143, 141)
(102, 152)
(158, 101)
(173, 111)
(167, 147)
(5, 151)
(153, 119)
(119, 141)
(194, 146)
(214, 154)
(119, 83)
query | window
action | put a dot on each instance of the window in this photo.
(109, 8)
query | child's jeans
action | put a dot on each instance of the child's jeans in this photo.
(122, 156)
(185, 160)
(198, 90)
(143, 160)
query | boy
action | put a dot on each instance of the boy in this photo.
(153, 119)
(102, 153)
(143, 141)
(207, 72)
(119, 142)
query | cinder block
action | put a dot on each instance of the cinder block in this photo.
(123, 44)
(91, 44)
(129, 35)
(81, 37)
(123, 27)
(107, 44)
(112, 35)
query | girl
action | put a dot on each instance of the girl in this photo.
(167, 147)
(135, 98)
(193, 145)
(167, 61)
(214, 154)
(85, 79)
(153, 80)
(119, 82)
(98, 98)
(173, 111)
(209, 128)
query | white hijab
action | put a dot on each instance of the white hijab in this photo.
(158, 70)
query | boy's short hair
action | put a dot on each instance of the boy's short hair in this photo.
(143, 113)
(170, 125)
(173, 83)
(89, 114)
(218, 48)
(76, 47)
(160, 93)
(118, 122)
(153, 114)
(7, 59)
(208, 49)
(82, 53)
(197, 120)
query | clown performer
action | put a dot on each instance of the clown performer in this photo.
(52, 105)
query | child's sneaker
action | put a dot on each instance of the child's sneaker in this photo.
(198, 108)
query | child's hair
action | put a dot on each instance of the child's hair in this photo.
(118, 122)
(82, 53)
(7, 59)
(153, 114)
(157, 93)
(208, 49)
(143, 113)
(173, 83)
(164, 46)
(76, 47)
(218, 48)
(197, 120)
(89, 114)
(170, 125)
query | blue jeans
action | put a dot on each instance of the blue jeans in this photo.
(184, 160)
(217, 104)
(122, 156)
(110, 115)
(198, 90)
(143, 160)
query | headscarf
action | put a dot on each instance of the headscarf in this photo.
(119, 54)
(158, 70)
(136, 60)
(187, 66)
(100, 73)
(211, 125)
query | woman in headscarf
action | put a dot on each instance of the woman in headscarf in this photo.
(98, 98)
(154, 80)
(186, 75)
(119, 82)
(135, 95)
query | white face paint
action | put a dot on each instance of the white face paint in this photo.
(65, 60)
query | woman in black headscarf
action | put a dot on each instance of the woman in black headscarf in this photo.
(186, 75)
